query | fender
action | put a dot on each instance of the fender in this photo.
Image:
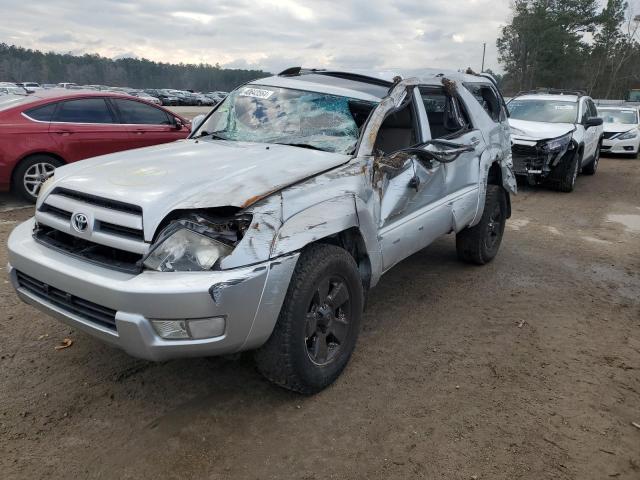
(314, 223)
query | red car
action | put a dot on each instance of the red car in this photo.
(44, 130)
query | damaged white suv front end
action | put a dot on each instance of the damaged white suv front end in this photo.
(266, 227)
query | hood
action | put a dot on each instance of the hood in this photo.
(190, 174)
(527, 130)
(617, 127)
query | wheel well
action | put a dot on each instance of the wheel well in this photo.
(495, 178)
(27, 157)
(351, 240)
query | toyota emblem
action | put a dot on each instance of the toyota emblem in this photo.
(80, 222)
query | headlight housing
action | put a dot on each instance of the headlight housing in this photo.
(185, 250)
(629, 135)
(557, 144)
(197, 241)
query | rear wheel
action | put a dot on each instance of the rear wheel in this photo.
(318, 324)
(480, 244)
(31, 173)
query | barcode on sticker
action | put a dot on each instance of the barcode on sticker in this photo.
(255, 92)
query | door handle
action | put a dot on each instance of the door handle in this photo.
(63, 132)
(139, 132)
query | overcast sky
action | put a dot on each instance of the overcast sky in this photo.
(267, 34)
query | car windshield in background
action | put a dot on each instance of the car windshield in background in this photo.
(610, 115)
(292, 117)
(548, 111)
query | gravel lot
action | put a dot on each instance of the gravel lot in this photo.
(526, 368)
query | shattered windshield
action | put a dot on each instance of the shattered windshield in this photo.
(548, 111)
(610, 115)
(291, 117)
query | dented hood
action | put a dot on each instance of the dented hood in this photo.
(194, 174)
(526, 130)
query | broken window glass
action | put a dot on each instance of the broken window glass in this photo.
(293, 117)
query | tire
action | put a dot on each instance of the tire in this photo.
(564, 178)
(593, 165)
(480, 244)
(31, 173)
(312, 341)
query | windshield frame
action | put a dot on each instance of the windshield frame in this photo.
(547, 100)
(196, 134)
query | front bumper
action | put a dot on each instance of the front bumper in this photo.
(249, 298)
(530, 159)
(620, 146)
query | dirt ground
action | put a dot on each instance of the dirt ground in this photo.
(526, 368)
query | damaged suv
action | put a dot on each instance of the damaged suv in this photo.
(555, 134)
(268, 226)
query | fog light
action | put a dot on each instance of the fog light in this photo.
(207, 327)
(171, 329)
(190, 329)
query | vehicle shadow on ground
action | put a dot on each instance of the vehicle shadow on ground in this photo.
(224, 381)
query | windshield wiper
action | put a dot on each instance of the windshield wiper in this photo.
(301, 145)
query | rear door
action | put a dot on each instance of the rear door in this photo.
(86, 127)
(147, 124)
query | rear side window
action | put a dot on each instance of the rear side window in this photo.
(139, 113)
(42, 114)
(445, 114)
(86, 110)
(488, 98)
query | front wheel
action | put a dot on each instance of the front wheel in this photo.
(480, 244)
(593, 165)
(318, 324)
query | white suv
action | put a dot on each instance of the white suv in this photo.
(268, 226)
(555, 135)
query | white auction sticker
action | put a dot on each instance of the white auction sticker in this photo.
(255, 92)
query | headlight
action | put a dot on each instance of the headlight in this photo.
(185, 250)
(559, 143)
(629, 135)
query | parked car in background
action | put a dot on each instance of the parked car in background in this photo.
(266, 229)
(555, 135)
(165, 97)
(66, 85)
(204, 100)
(30, 86)
(48, 86)
(621, 130)
(50, 128)
(13, 90)
(145, 96)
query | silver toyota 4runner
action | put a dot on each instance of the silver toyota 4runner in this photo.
(268, 226)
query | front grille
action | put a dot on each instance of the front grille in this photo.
(58, 212)
(98, 201)
(608, 135)
(526, 158)
(114, 229)
(116, 239)
(102, 255)
(103, 316)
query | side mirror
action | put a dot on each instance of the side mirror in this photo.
(197, 121)
(177, 123)
(593, 122)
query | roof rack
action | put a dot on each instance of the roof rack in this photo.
(356, 77)
(551, 91)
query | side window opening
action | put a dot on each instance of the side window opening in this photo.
(42, 114)
(445, 114)
(488, 99)
(399, 130)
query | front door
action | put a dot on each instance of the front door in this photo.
(407, 190)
